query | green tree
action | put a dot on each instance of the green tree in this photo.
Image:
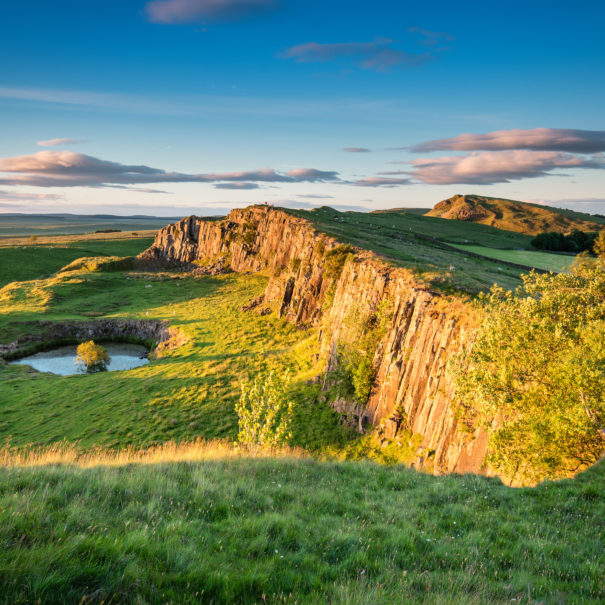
(94, 357)
(599, 245)
(264, 411)
(535, 376)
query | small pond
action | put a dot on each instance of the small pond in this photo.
(62, 361)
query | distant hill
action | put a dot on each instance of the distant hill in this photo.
(515, 216)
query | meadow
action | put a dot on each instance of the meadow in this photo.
(533, 258)
(411, 240)
(217, 526)
(41, 225)
(24, 260)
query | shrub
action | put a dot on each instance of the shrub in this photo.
(576, 241)
(93, 356)
(537, 369)
(264, 412)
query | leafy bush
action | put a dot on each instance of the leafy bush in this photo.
(354, 374)
(576, 241)
(535, 377)
(93, 356)
(264, 411)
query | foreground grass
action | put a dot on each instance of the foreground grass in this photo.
(228, 528)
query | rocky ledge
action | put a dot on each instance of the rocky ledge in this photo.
(315, 280)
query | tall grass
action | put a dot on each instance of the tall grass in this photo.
(216, 526)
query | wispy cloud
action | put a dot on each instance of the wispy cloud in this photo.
(357, 149)
(379, 55)
(236, 185)
(196, 11)
(487, 168)
(16, 197)
(58, 142)
(537, 139)
(379, 181)
(69, 169)
(196, 105)
(431, 38)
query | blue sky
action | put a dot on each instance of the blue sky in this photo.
(178, 106)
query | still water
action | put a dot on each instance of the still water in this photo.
(62, 361)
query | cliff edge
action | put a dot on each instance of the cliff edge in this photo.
(315, 280)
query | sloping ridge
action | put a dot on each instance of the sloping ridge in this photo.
(413, 389)
(512, 215)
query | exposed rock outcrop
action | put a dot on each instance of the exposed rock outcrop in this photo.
(413, 389)
(49, 333)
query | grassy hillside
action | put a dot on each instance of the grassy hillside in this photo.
(393, 236)
(541, 260)
(21, 263)
(189, 392)
(221, 528)
(515, 216)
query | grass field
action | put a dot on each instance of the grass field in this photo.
(41, 225)
(21, 263)
(392, 236)
(540, 260)
(189, 392)
(230, 529)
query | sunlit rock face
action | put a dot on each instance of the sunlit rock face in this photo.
(413, 389)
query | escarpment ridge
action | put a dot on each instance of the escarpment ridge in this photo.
(316, 280)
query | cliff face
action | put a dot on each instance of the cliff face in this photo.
(412, 390)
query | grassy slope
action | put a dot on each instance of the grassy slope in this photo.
(189, 392)
(391, 234)
(515, 216)
(296, 530)
(533, 258)
(31, 262)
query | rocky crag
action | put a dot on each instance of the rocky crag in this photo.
(315, 280)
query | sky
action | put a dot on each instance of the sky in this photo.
(175, 107)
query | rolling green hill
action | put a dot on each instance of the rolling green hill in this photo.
(514, 216)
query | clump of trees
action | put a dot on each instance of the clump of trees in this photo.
(576, 241)
(92, 356)
(535, 377)
(264, 411)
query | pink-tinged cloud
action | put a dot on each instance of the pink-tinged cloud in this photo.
(537, 139)
(58, 142)
(378, 54)
(312, 175)
(357, 150)
(188, 11)
(487, 168)
(376, 181)
(69, 169)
